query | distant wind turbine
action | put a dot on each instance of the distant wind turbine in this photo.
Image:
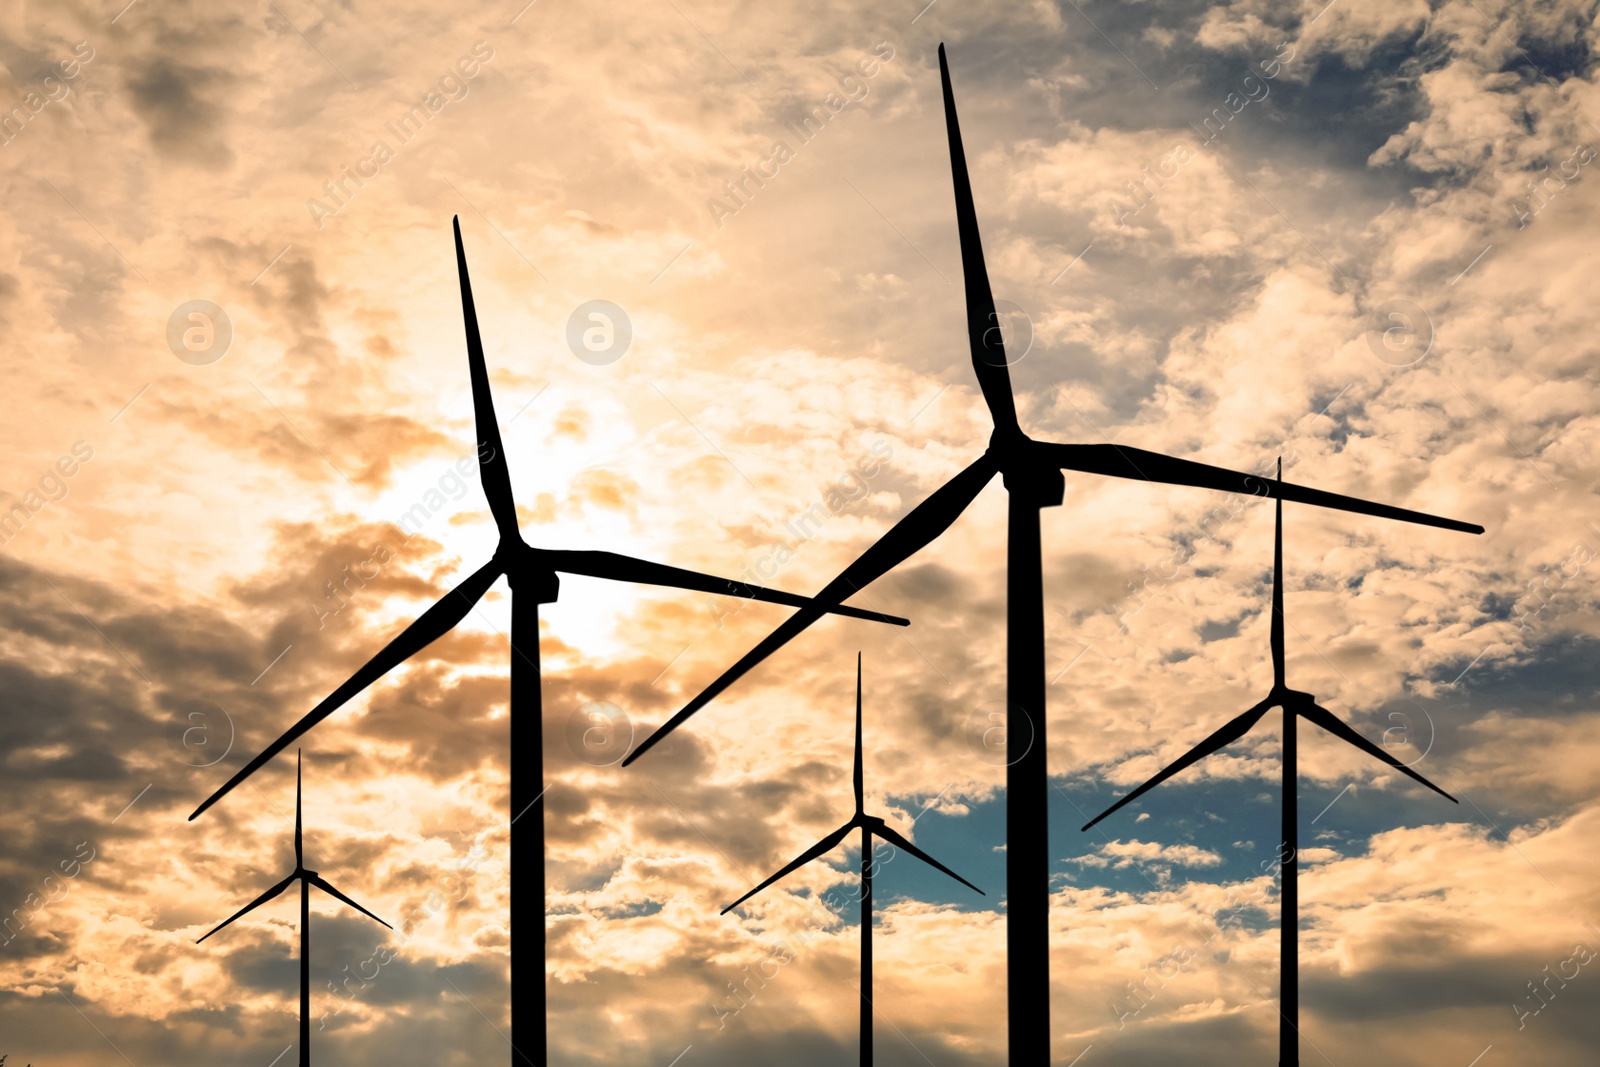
(1295, 705)
(533, 575)
(870, 826)
(307, 879)
(1032, 475)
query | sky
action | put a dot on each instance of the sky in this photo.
(716, 265)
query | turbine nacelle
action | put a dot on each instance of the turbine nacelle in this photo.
(1030, 470)
(529, 572)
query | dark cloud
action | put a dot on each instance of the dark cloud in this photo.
(179, 106)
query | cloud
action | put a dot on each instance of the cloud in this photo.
(1126, 853)
(185, 124)
(796, 382)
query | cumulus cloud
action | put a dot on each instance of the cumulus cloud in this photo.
(1126, 853)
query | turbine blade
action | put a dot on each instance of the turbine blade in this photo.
(492, 465)
(821, 848)
(429, 627)
(1118, 461)
(256, 903)
(926, 521)
(1326, 719)
(858, 779)
(983, 325)
(899, 842)
(1235, 729)
(299, 847)
(323, 885)
(620, 568)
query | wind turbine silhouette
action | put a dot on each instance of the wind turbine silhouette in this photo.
(1031, 471)
(533, 575)
(1295, 705)
(307, 879)
(870, 826)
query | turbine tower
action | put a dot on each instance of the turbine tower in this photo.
(1032, 473)
(870, 826)
(533, 576)
(307, 879)
(1296, 705)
